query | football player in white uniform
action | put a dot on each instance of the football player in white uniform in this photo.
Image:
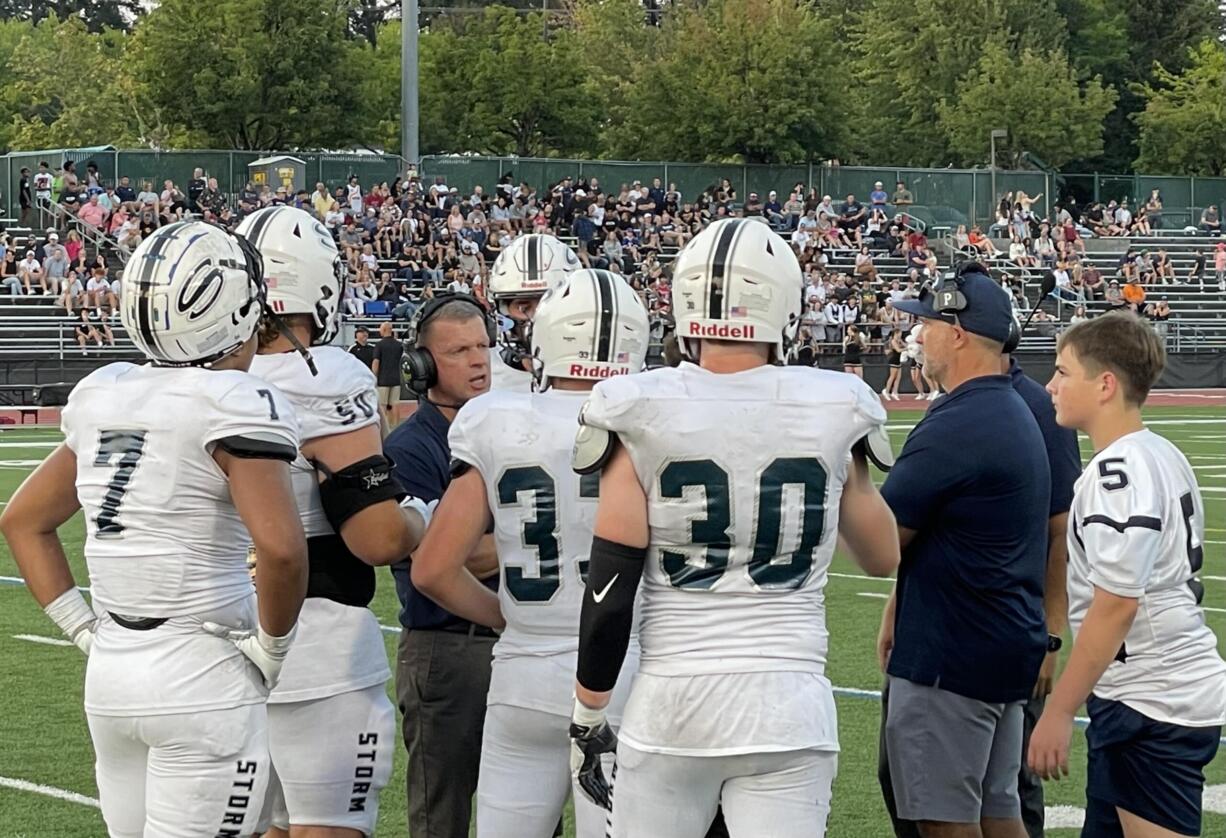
(173, 464)
(1143, 659)
(330, 724)
(514, 452)
(531, 265)
(726, 486)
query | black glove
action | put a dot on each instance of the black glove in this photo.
(591, 737)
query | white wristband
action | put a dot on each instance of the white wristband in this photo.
(587, 716)
(273, 645)
(70, 612)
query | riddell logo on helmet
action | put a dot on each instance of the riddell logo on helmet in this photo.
(721, 330)
(584, 371)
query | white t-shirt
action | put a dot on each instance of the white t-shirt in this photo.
(459, 286)
(1137, 529)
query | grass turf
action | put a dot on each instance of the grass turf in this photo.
(44, 738)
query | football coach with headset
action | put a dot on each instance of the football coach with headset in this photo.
(1064, 462)
(963, 635)
(443, 661)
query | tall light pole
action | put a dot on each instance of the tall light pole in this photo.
(997, 134)
(409, 125)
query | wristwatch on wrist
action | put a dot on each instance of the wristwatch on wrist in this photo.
(1054, 643)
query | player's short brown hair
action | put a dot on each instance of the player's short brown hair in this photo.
(1122, 343)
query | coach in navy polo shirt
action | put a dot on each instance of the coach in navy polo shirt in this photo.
(443, 661)
(963, 635)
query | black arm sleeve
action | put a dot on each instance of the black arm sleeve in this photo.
(608, 612)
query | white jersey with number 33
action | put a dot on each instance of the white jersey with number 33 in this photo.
(743, 475)
(543, 517)
(1137, 531)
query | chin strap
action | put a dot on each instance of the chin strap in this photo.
(288, 333)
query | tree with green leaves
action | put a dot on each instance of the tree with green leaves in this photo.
(498, 85)
(52, 107)
(1037, 97)
(97, 15)
(1183, 126)
(252, 74)
(729, 79)
(910, 54)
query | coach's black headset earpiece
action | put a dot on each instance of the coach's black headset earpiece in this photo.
(417, 366)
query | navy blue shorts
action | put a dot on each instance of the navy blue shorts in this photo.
(1152, 769)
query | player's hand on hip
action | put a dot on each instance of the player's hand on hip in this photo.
(1047, 676)
(590, 738)
(1049, 745)
(266, 651)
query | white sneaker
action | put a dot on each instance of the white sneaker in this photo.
(932, 397)
(885, 395)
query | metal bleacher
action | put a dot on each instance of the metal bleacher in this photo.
(35, 329)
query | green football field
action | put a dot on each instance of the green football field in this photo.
(46, 762)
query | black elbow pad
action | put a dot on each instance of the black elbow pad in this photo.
(347, 492)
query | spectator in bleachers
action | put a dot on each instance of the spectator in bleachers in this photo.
(1079, 316)
(902, 195)
(93, 213)
(70, 186)
(55, 269)
(8, 273)
(851, 218)
(29, 271)
(1019, 253)
(108, 200)
(1134, 294)
(1159, 314)
(1164, 269)
(1140, 223)
(87, 331)
(864, 265)
(25, 195)
(1153, 208)
(72, 293)
(126, 194)
(981, 243)
(195, 188)
(98, 292)
(173, 202)
(1092, 279)
(1219, 265)
(1210, 223)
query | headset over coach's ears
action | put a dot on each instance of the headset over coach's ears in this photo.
(417, 367)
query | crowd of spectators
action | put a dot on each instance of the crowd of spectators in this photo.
(406, 239)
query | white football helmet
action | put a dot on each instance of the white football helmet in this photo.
(191, 294)
(737, 280)
(530, 266)
(303, 269)
(591, 327)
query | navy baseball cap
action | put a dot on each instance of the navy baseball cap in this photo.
(988, 312)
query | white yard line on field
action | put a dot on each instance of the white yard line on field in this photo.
(873, 595)
(49, 791)
(46, 641)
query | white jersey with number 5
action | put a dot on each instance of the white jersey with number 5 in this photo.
(1137, 531)
(743, 475)
(338, 648)
(163, 538)
(543, 518)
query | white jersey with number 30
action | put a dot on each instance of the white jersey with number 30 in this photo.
(1137, 531)
(163, 539)
(743, 475)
